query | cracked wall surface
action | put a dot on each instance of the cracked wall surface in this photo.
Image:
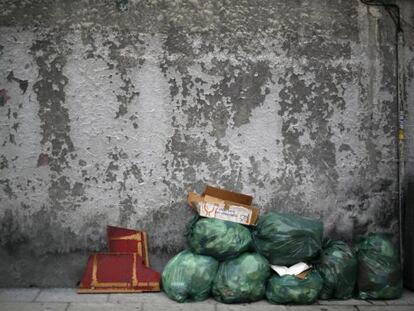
(111, 111)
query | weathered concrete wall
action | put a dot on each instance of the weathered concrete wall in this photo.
(407, 68)
(110, 111)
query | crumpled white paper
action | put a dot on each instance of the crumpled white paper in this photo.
(292, 270)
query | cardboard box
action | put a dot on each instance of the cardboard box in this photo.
(224, 205)
(118, 273)
(122, 240)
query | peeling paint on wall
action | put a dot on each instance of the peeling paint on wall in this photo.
(111, 111)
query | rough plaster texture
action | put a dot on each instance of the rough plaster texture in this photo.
(111, 111)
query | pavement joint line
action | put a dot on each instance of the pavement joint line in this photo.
(37, 295)
(142, 306)
(67, 306)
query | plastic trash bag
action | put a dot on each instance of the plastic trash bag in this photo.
(338, 268)
(289, 289)
(286, 239)
(189, 277)
(218, 238)
(379, 269)
(241, 279)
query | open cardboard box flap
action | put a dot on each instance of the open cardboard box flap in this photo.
(303, 274)
(226, 195)
(225, 205)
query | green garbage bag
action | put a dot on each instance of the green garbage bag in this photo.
(189, 277)
(286, 239)
(338, 268)
(218, 238)
(289, 289)
(241, 279)
(379, 269)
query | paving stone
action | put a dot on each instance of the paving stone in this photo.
(175, 306)
(250, 306)
(139, 297)
(346, 302)
(147, 298)
(386, 308)
(260, 303)
(98, 306)
(32, 306)
(18, 294)
(377, 302)
(68, 295)
(321, 308)
(15, 299)
(406, 299)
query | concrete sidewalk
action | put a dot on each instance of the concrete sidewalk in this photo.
(65, 299)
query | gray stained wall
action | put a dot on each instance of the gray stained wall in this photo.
(111, 111)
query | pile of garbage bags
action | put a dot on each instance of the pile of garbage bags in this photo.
(233, 263)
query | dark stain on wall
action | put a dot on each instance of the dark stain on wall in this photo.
(243, 87)
(10, 232)
(23, 84)
(49, 89)
(125, 64)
